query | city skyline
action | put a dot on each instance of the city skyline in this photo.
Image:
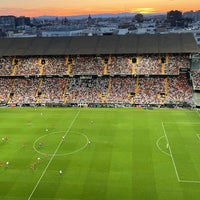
(78, 7)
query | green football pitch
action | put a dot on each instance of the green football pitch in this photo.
(99, 154)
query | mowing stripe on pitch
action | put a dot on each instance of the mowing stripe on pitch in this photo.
(67, 131)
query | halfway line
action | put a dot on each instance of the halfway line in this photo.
(67, 131)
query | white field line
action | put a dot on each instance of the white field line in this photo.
(198, 113)
(198, 135)
(62, 154)
(182, 123)
(61, 141)
(171, 153)
(158, 146)
(189, 181)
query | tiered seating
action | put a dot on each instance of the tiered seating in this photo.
(5, 86)
(87, 65)
(6, 67)
(51, 90)
(24, 91)
(179, 89)
(70, 86)
(148, 64)
(149, 90)
(120, 65)
(120, 90)
(54, 65)
(27, 66)
(175, 62)
(196, 79)
(86, 90)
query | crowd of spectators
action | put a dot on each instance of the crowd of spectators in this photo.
(99, 89)
(51, 90)
(24, 91)
(6, 67)
(148, 64)
(196, 79)
(179, 89)
(175, 62)
(86, 90)
(120, 65)
(93, 65)
(27, 66)
(90, 65)
(5, 86)
(149, 90)
(120, 90)
(54, 65)
(142, 90)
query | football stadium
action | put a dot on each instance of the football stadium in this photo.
(100, 117)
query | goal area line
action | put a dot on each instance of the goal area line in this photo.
(171, 154)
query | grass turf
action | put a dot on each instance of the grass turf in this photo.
(127, 158)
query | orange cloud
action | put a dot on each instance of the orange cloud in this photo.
(78, 7)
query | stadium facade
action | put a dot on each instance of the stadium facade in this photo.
(131, 70)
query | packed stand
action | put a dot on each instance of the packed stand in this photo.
(104, 89)
(27, 66)
(51, 90)
(196, 79)
(175, 62)
(179, 90)
(6, 67)
(54, 65)
(5, 87)
(119, 90)
(120, 65)
(87, 65)
(148, 64)
(86, 90)
(24, 91)
(149, 90)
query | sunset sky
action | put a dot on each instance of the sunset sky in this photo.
(77, 7)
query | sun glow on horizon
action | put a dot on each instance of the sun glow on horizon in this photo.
(144, 10)
(77, 7)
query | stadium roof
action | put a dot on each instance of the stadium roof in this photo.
(99, 45)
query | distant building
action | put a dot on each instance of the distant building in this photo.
(55, 33)
(23, 21)
(192, 15)
(7, 23)
(174, 17)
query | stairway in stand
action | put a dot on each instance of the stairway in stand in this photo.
(65, 95)
(14, 70)
(11, 90)
(109, 86)
(36, 93)
(166, 87)
(137, 86)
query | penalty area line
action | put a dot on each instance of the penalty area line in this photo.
(164, 131)
(189, 181)
(67, 131)
(198, 135)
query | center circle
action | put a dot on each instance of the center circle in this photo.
(73, 142)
